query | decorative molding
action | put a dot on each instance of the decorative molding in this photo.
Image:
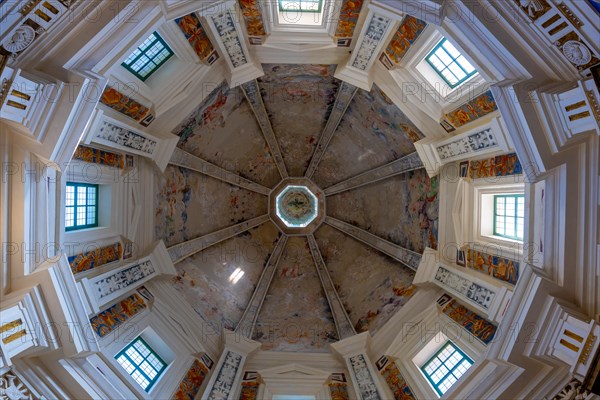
(375, 33)
(127, 106)
(343, 99)
(405, 164)
(194, 32)
(101, 157)
(186, 160)
(475, 293)
(472, 110)
(500, 268)
(397, 383)
(504, 165)
(366, 386)
(253, 18)
(254, 97)
(12, 388)
(125, 138)
(95, 258)
(192, 381)
(230, 38)
(408, 32)
(184, 250)
(342, 321)
(407, 257)
(223, 385)
(347, 19)
(574, 390)
(248, 320)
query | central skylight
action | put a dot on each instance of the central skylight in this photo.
(296, 206)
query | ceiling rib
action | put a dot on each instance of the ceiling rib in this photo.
(408, 163)
(252, 93)
(184, 250)
(345, 95)
(246, 325)
(186, 160)
(340, 317)
(407, 257)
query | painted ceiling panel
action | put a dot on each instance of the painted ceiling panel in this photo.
(373, 132)
(402, 209)
(223, 130)
(298, 99)
(205, 279)
(371, 285)
(189, 204)
(295, 315)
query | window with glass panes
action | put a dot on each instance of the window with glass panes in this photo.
(141, 362)
(148, 57)
(450, 65)
(509, 216)
(301, 5)
(446, 367)
(81, 206)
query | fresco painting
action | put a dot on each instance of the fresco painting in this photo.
(373, 132)
(204, 278)
(253, 17)
(189, 204)
(503, 165)
(476, 325)
(295, 315)
(473, 110)
(96, 156)
(349, 13)
(339, 391)
(501, 268)
(95, 258)
(250, 387)
(385, 284)
(123, 104)
(223, 130)
(403, 209)
(197, 38)
(408, 32)
(110, 319)
(396, 382)
(192, 381)
(298, 100)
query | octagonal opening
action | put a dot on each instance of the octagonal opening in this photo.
(296, 206)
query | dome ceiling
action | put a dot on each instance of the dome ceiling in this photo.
(219, 281)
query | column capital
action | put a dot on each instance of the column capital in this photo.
(357, 344)
(239, 343)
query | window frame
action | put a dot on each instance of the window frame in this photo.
(515, 217)
(137, 366)
(282, 9)
(76, 227)
(443, 363)
(454, 60)
(158, 38)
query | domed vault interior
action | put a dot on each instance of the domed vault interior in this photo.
(295, 314)
(230, 199)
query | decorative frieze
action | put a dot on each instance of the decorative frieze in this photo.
(501, 268)
(347, 20)
(474, 292)
(96, 156)
(470, 321)
(95, 258)
(394, 379)
(230, 38)
(127, 106)
(196, 36)
(122, 279)
(252, 13)
(408, 32)
(192, 381)
(125, 138)
(375, 33)
(472, 110)
(223, 384)
(113, 317)
(364, 379)
(12, 388)
(503, 165)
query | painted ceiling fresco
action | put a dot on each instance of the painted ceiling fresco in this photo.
(373, 132)
(189, 204)
(298, 99)
(224, 131)
(371, 285)
(295, 315)
(205, 278)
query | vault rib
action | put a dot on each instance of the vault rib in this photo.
(408, 163)
(252, 93)
(407, 257)
(344, 97)
(181, 251)
(340, 316)
(248, 321)
(184, 159)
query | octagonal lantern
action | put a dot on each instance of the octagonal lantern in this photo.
(297, 206)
